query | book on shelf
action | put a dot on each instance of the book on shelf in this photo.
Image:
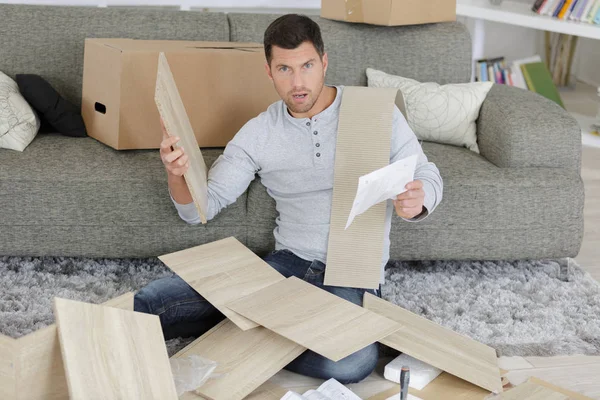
(529, 73)
(539, 80)
(492, 70)
(587, 11)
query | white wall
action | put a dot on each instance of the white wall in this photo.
(587, 61)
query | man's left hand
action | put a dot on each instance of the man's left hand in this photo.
(410, 203)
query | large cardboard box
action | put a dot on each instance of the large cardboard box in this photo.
(389, 12)
(222, 85)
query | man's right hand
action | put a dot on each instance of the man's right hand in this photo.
(176, 161)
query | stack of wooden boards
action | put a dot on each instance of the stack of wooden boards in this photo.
(110, 353)
(113, 354)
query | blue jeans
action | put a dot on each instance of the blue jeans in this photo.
(184, 313)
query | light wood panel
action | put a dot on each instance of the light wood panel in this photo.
(445, 386)
(316, 319)
(112, 354)
(37, 363)
(8, 368)
(223, 271)
(354, 255)
(571, 394)
(245, 359)
(558, 361)
(531, 391)
(124, 302)
(439, 346)
(268, 391)
(172, 111)
(579, 378)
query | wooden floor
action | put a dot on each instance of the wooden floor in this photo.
(578, 373)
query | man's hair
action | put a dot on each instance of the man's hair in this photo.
(290, 31)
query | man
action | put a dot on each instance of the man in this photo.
(292, 147)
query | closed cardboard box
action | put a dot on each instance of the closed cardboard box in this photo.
(222, 84)
(389, 12)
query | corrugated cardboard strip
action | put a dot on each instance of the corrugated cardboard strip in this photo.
(355, 255)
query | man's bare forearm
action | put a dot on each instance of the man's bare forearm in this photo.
(179, 190)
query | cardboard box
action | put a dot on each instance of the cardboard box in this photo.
(389, 12)
(222, 84)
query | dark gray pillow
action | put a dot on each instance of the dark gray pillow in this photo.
(60, 114)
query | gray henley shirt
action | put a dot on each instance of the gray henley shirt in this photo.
(294, 158)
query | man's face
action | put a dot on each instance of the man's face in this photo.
(298, 75)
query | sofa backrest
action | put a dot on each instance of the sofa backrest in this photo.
(432, 52)
(49, 40)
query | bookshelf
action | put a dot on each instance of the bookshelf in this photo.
(520, 14)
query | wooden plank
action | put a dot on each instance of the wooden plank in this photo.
(40, 361)
(8, 367)
(579, 378)
(439, 346)
(123, 302)
(267, 391)
(112, 354)
(569, 393)
(245, 359)
(354, 255)
(532, 391)
(223, 271)
(316, 319)
(445, 386)
(172, 111)
(561, 361)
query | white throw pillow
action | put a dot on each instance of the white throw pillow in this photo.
(18, 122)
(438, 113)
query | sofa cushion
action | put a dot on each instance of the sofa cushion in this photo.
(86, 199)
(411, 51)
(486, 213)
(53, 45)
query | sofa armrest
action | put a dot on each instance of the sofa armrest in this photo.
(517, 128)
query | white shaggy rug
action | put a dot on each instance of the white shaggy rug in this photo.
(525, 308)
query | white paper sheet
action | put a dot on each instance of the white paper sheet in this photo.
(336, 391)
(382, 184)
(329, 390)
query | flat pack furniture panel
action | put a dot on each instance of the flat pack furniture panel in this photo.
(439, 346)
(532, 391)
(355, 255)
(571, 394)
(172, 111)
(267, 391)
(110, 353)
(35, 358)
(223, 271)
(245, 359)
(316, 319)
(8, 368)
(445, 386)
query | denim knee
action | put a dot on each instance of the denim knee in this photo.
(357, 366)
(351, 369)
(145, 300)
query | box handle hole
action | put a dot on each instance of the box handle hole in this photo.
(101, 108)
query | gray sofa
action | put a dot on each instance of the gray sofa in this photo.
(521, 198)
